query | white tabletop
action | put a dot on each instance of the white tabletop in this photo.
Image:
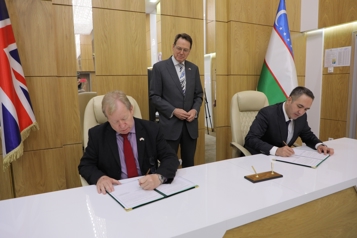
(223, 200)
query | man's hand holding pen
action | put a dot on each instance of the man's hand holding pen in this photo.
(149, 182)
(285, 151)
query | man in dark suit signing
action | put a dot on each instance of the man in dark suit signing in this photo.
(125, 147)
(277, 127)
(176, 92)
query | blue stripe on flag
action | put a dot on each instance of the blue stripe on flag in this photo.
(11, 131)
(282, 26)
(15, 54)
(27, 95)
(3, 11)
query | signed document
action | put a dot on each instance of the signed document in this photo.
(130, 195)
(304, 156)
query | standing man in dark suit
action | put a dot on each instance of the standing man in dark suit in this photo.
(176, 92)
(277, 127)
(106, 158)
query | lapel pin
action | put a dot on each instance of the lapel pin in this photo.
(189, 68)
(141, 139)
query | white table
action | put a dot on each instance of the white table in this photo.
(223, 200)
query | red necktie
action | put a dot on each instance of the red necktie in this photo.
(129, 157)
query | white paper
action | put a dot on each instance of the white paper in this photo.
(307, 157)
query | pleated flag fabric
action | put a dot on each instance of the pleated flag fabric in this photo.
(16, 113)
(278, 77)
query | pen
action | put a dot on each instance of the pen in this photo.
(255, 172)
(145, 174)
(285, 143)
(272, 168)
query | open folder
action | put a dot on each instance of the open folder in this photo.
(304, 156)
(130, 195)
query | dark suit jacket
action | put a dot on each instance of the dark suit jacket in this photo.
(269, 129)
(166, 94)
(101, 156)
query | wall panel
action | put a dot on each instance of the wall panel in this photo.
(87, 53)
(183, 8)
(6, 183)
(335, 97)
(332, 129)
(222, 47)
(34, 31)
(247, 45)
(70, 126)
(221, 7)
(64, 41)
(222, 106)
(200, 148)
(335, 12)
(72, 155)
(39, 171)
(263, 12)
(132, 5)
(47, 108)
(119, 42)
(223, 140)
(338, 37)
(135, 86)
(299, 47)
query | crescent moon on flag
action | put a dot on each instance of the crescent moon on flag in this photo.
(278, 15)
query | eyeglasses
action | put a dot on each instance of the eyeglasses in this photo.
(178, 48)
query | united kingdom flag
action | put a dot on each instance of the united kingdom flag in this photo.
(16, 113)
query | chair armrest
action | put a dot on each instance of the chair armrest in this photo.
(83, 181)
(240, 148)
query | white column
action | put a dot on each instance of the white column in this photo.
(314, 59)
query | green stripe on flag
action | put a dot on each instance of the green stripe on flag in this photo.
(269, 87)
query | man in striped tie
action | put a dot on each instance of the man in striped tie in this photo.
(176, 92)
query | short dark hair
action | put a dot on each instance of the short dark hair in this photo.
(185, 37)
(298, 91)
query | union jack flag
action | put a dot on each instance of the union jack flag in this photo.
(16, 113)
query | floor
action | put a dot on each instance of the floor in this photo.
(210, 147)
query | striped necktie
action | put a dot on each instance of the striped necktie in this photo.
(182, 78)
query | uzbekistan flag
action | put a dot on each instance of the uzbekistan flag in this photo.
(278, 77)
(16, 114)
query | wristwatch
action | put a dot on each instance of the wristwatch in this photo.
(161, 178)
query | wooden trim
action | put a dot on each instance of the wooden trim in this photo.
(332, 216)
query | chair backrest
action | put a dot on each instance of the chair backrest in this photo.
(93, 114)
(244, 108)
(83, 99)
